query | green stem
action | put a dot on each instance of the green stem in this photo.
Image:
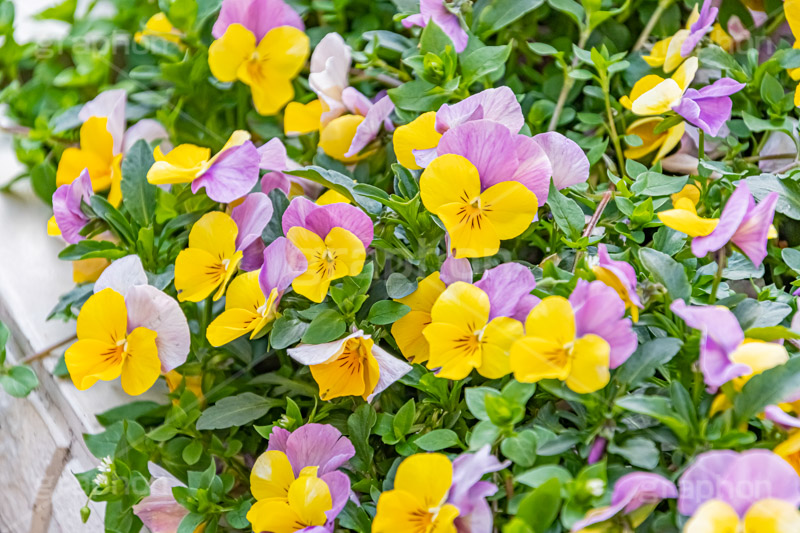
(662, 6)
(568, 83)
(722, 258)
(613, 131)
(701, 145)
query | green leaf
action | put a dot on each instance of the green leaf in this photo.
(339, 183)
(770, 387)
(192, 452)
(138, 195)
(434, 40)
(647, 357)
(113, 217)
(771, 333)
(236, 410)
(19, 381)
(386, 311)
(398, 286)
(90, 249)
(103, 444)
(520, 448)
(190, 523)
(656, 407)
(668, 272)
(542, 474)
(327, 326)
(438, 439)
(476, 400)
(638, 451)
(43, 181)
(128, 411)
(771, 90)
(539, 509)
(566, 212)
(286, 332)
(497, 14)
(483, 61)
(360, 424)
(656, 184)
(401, 424)
(791, 257)
(571, 8)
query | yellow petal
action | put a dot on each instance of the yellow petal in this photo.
(463, 305)
(792, 10)
(299, 119)
(590, 359)
(789, 450)
(454, 351)
(674, 57)
(269, 94)
(419, 134)
(772, 516)
(659, 99)
(347, 250)
(444, 520)
(198, 273)
(284, 50)
(670, 140)
(96, 155)
(759, 356)
(427, 476)
(533, 359)
(472, 234)
(115, 186)
(88, 360)
(428, 291)
(274, 516)
(142, 365)
(642, 86)
(714, 516)
(407, 333)
(182, 164)
(353, 372)
(686, 220)
(553, 320)
(52, 227)
(720, 36)
(85, 270)
(496, 343)
(232, 324)
(690, 192)
(310, 498)
(658, 54)
(336, 137)
(341, 254)
(103, 317)
(332, 197)
(215, 233)
(399, 510)
(797, 96)
(227, 53)
(449, 179)
(271, 476)
(685, 74)
(510, 207)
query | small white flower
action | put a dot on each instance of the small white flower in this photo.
(595, 487)
(105, 464)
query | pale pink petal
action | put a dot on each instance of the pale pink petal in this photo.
(151, 308)
(498, 105)
(391, 369)
(568, 161)
(371, 125)
(258, 16)
(122, 275)
(282, 262)
(148, 130)
(251, 217)
(315, 354)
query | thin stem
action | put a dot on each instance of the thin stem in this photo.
(613, 131)
(566, 87)
(587, 231)
(701, 145)
(754, 158)
(44, 353)
(722, 259)
(662, 6)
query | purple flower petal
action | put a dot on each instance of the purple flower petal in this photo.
(416, 19)
(599, 311)
(699, 483)
(122, 275)
(568, 161)
(391, 369)
(159, 511)
(597, 450)
(371, 125)
(455, 270)
(251, 217)
(729, 221)
(534, 168)
(355, 101)
(498, 105)
(447, 21)
(111, 106)
(272, 155)
(153, 309)
(700, 28)
(148, 130)
(751, 236)
(524, 306)
(276, 180)
(282, 262)
(505, 285)
(467, 490)
(296, 213)
(339, 487)
(710, 107)
(232, 175)
(326, 217)
(258, 16)
(67, 207)
(319, 445)
(781, 417)
(623, 271)
(757, 475)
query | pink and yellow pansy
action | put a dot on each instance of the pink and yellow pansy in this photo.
(654, 95)
(260, 43)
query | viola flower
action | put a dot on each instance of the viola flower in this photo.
(468, 493)
(418, 501)
(701, 25)
(329, 77)
(449, 22)
(158, 26)
(260, 43)
(316, 450)
(251, 217)
(333, 238)
(127, 328)
(661, 143)
(725, 354)
(754, 491)
(159, 511)
(351, 366)
(407, 330)
(68, 218)
(473, 326)
(568, 161)
(621, 277)
(669, 53)
(742, 223)
(273, 157)
(654, 95)
(251, 302)
(419, 134)
(344, 138)
(227, 176)
(485, 185)
(710, 107)
(637, 491)
(551, 349)
(301, 119)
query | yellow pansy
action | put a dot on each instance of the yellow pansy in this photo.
(461, 337)
(419, 134)
(664, 142)
(285, 504)
(654, 95)
(86, 270)
(407, 331)
(211, 259)
(96, 155)
(764, 516)
(417, 502)
(105, 350)
(475, 220)
(684, 218)
(337, 136)
(340, 254)
(666, 53)
(551, 350)
(267, 67)
(299, 119)
(690, 191)
(352, 371)
(187, 162)
(789, 450)
(159, 26)
(332, 197)
(247, 310)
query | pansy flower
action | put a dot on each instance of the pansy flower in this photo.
(68, 218)
(407, 330)
(274, 159)
(251, 302)
(351, 366)
(654, 95)
(725, 353)
(635, 495)
(159, 27)
(662, 143)
(159, 511)
(260, 43)
(438, 12)
(699, 25)
(710, 107)
(669, 53)
(227, 176)
(742, 223)
(127, 328)
(621, 277)
(297, 482)
(333, 238)
(468, 493)
(485, 185)
(344, 138)
(219, 245)
(473, 326)
(754, 492)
